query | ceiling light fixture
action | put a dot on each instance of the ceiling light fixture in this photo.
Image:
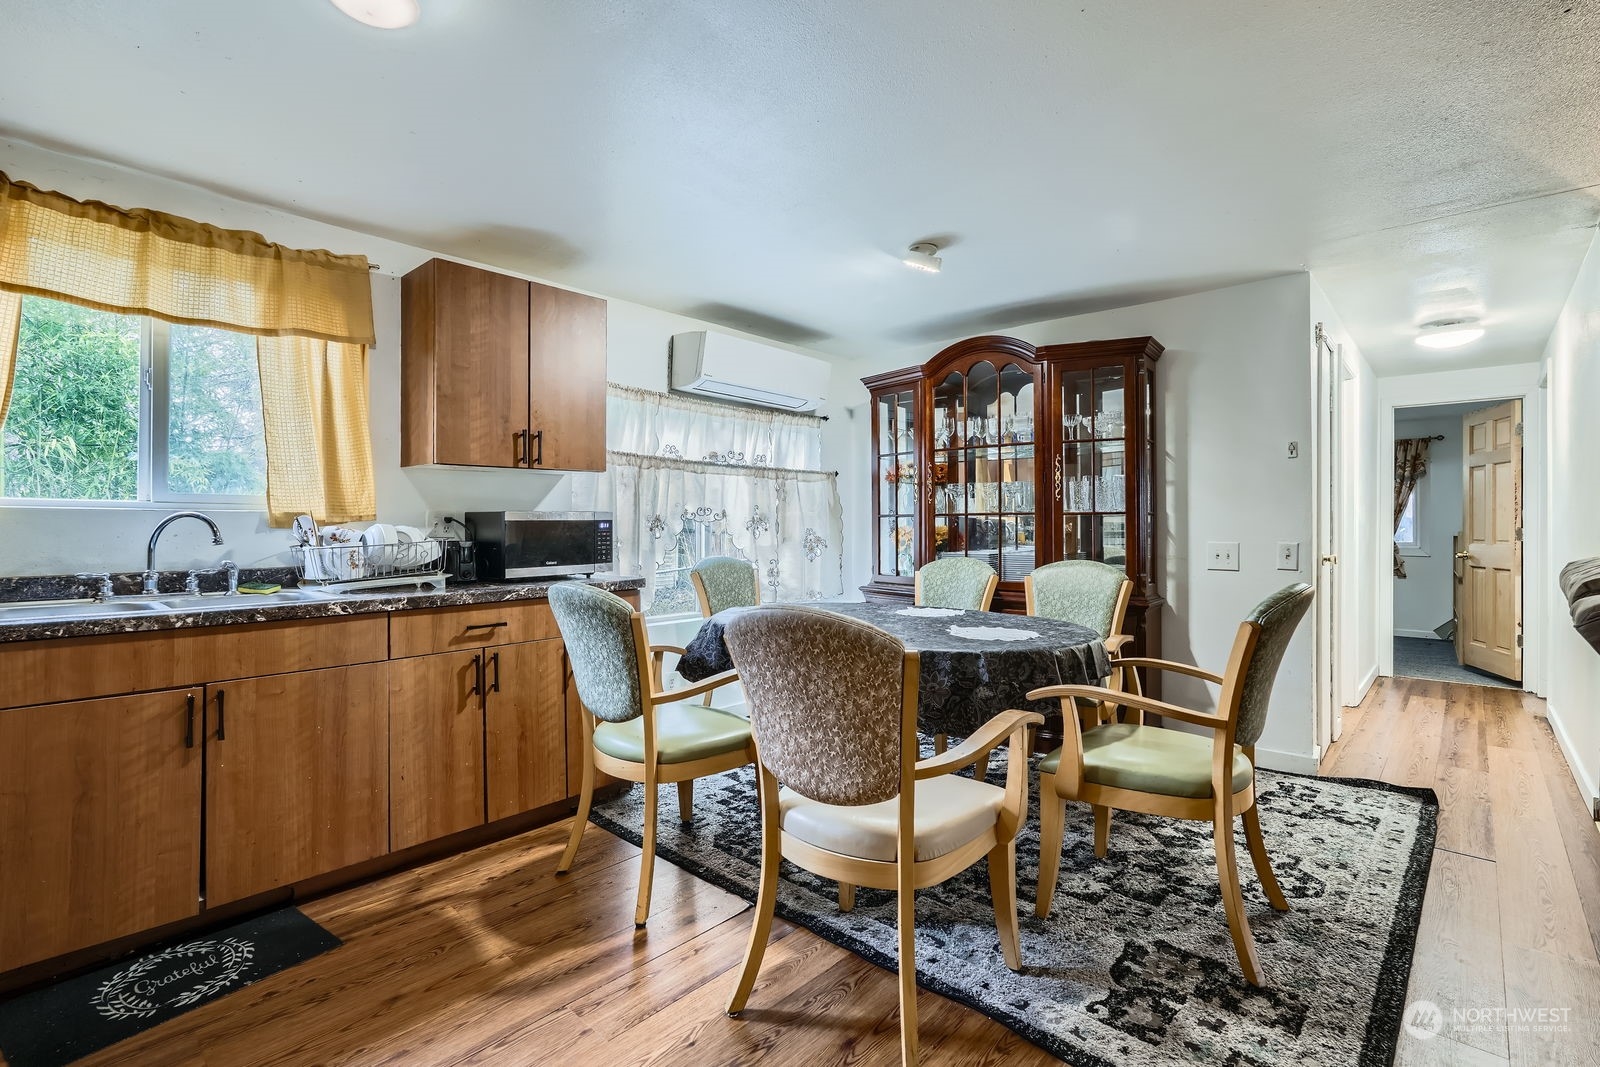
(382, 14)
(922, 256)
(1451, 333)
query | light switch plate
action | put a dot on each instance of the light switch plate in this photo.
(1288, 555)
(1222, 555)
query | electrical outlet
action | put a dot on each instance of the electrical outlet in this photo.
(1223, 555)
(1288, 555)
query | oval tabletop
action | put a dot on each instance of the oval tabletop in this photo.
(975, 664)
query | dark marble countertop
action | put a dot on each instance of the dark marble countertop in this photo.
(215, 610)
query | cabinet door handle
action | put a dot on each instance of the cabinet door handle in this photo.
(538, 457)
(494, 687)
(477, 675)
(188, 728)
(486, 625)
(521, 456)
(222, 715)
(1058, 479)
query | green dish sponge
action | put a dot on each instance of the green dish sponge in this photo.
(260, 588)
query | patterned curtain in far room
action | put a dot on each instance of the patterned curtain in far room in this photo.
(687, 479)
(1410, 465)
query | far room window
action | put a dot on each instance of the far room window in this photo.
(109, 407)
(1407, 532)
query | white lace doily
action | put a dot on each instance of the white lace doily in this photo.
(929, 613)
(991, 633)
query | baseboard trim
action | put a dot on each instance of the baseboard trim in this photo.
(1295, 762)
(1582, 773)
(1426, 635)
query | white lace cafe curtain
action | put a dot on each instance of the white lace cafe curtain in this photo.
(687, 479)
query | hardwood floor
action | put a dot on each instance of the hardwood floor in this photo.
(489, 958)
(1511, 922)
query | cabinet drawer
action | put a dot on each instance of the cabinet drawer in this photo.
(422, 633)
(78, 668)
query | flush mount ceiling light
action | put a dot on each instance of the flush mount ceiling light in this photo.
(1451, 333)
(382, 14)
(923, 256)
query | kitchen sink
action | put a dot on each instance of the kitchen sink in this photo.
(78, 609)
(50, 610)
(244, 601)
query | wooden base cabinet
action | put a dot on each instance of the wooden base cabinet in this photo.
(99, 821)
(525, 724)
(296, 777)
(435, 747)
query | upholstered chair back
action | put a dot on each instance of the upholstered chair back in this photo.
(1082, 591)
(954, 582)
(1278, 616)
(826, 696)
(597, 627)
(725, 582)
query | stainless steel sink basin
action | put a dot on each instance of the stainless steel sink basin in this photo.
(244, 601)
(78, 609)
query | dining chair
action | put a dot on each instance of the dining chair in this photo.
(724, 582)
(1170, 772)
(1089, 593)
(833, 707)
(956, 582)
(632, 729)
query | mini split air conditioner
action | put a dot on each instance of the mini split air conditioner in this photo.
(719, 367)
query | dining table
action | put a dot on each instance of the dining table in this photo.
(974, 664)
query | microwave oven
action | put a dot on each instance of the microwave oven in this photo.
(540, 544)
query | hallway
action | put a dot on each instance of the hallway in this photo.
(1512, 916)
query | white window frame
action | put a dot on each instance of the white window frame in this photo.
(155, 410)
(1417, 546)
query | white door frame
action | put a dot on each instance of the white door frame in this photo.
(1488, 384)
(1326, 562)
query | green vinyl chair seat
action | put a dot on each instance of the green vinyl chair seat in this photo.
(1149, 759)
(684, 733)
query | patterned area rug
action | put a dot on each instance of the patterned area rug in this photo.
(1134, 964)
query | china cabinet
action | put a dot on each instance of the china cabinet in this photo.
(1020, 456)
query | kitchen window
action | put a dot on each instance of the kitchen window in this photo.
(124, 408)
(1408, 531)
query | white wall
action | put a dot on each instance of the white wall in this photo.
(44, 540)
(1233, 389)
(1425, 598)
(1572, 366)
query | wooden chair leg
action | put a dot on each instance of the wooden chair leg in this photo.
(1232, 900)
(847, 896)
(1003, 890)
(686, 801)
(906, 920)
(1102, 830)
(766, 891)
(647, 861)
(1052, 824)
(581, 819)
(940, 743)
(1258, 855)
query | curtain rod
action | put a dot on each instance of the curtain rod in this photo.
(1435, 437)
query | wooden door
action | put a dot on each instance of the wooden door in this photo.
(435, 747)
(296, 781)
(99, 821)
(465, 366)
(1489, 631)
(525, 727)
(567, 375)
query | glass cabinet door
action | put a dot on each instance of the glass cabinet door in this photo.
(983, 472)
(1091, 475)
(895, 466)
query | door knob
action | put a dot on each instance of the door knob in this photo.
(1463, 555)
(1331, 560)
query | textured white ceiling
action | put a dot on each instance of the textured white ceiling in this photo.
(763, 165)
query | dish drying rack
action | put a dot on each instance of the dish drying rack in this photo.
(352, 565)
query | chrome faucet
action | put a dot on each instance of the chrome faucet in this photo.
(150, 574)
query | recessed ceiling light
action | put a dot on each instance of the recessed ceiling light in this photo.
(922, 256)
(383, 14)
(1449, 334)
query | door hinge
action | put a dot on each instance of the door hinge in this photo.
(1518, 533)
(1519, 429)
(1519, 640)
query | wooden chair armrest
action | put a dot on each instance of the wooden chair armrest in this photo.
(1067, 693)
(705, 685)
(979, 744)
(1116, 642)
(1171, 665)
(674, 649)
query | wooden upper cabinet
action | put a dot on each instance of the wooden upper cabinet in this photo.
(99, 821)
(497, 371)
(568, 356)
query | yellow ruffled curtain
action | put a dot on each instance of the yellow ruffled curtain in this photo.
(141, 262)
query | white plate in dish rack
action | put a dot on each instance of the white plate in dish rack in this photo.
(991, 633)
